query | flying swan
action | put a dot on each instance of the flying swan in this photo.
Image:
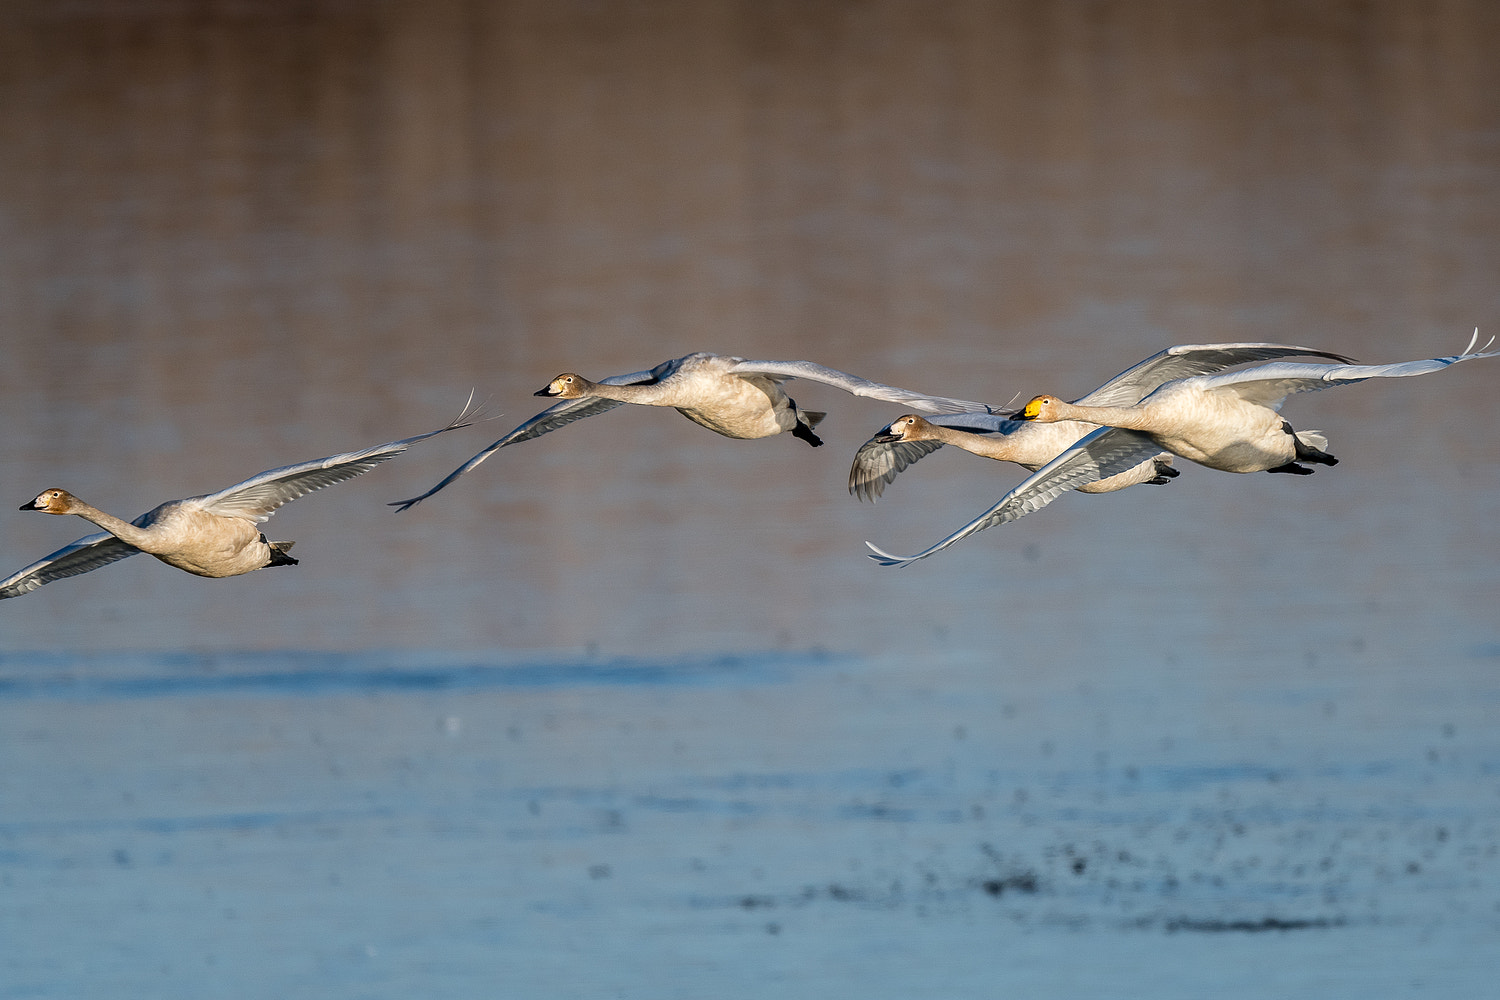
(1232, 421)
(1258, 440)
(728, 395)
(213, 535)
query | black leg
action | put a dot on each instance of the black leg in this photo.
(806, 433)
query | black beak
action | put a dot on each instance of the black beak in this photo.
(886, 437)
(544, 392)
(1018, 415)
(30, 505)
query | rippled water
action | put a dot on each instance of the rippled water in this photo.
(820, 824)
(626, 711)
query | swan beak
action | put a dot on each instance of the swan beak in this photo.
(31, 505)
(547, 391)
(886, 437)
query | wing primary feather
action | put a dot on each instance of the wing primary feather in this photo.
(1187, 360)
(552, 418)
(261, 495)
(87, 553)
(857, 386)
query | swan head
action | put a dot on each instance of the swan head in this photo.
(908, 428)
(53, 501)
(565, 386)
(1042, 409)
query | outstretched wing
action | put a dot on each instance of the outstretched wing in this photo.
(1270, 384)
(550, 419)
(1185, 360)
(258, 497)
(857, 386)
(878, 463)
(88, 553)
(1097, 455)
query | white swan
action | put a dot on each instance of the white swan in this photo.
(1110, 449)
(213, 535)
(1231, 421)
(728, 395)
(1032, 445)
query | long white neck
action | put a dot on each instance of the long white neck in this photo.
(1000, 448)
(644, 394)
(123, 530)
(1129, 417)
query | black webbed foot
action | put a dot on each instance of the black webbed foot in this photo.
(806, 433)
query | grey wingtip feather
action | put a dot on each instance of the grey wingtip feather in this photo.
(1475, 340)
(471, 413)
(466, 418)
(884, 558)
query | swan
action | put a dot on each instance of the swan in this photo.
(910, 438)
(1231, 421)
(1102, 454)
(213, 535)
(1234, 424)
(728, 395)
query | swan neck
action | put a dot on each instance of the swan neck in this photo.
(622, 393)
(1129, 417)
(958, 439)
(123, 530)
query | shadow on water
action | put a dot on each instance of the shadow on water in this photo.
(311, 673)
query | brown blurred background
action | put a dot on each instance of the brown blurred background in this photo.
(239, 234)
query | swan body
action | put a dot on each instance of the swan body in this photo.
(1033, 445)
(728, 395)
(1231, 421)
(214, 535)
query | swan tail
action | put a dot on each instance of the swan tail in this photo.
(1312, 439)
(1312, 447)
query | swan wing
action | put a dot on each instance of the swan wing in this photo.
(258, 497)
(88, 553)
(878, 463)
(853, 384)
(559, 415)
(1270, 384)
(1186, 360)
(1097, 455)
